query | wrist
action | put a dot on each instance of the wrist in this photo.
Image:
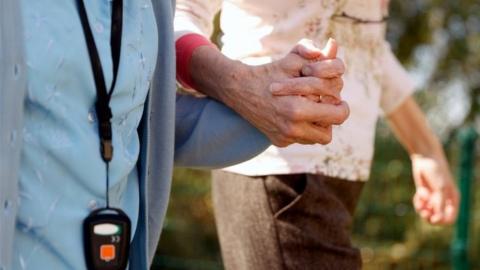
(185, 46)
(233, 82)
(218, 76)
(433, 150)
(438, 158)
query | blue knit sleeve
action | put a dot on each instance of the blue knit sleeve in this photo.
(210, 135)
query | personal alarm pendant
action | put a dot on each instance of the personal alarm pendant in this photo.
(106, 231)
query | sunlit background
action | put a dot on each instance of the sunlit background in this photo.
(439, 43)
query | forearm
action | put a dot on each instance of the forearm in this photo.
(436, 198)
(209, 135)
(216, 75)
(412, 130)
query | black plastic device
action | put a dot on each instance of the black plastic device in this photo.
(106, 235)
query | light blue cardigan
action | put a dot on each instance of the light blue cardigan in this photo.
(207, 134)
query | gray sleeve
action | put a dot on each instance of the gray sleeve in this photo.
(12, 90)
(210, 135)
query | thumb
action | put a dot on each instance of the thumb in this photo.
(307, 49)
(330, 50)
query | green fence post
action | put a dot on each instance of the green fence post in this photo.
(459, 247)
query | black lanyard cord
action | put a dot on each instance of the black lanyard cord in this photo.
(102, 104)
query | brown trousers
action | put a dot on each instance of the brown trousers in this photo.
(282, 222)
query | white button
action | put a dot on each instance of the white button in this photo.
(99, 27)
(7, 205)
(91, 117)
(106, 229)
(92, 205)
(13, 137)
(16, 71)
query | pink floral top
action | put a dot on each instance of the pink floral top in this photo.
(259, 31)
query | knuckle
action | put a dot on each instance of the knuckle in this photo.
(334, 85)
(290, 132)
(328, 68)
(294, 113)
(326, 138)
(316, 69)
(285, 143)
(338, 64)
(281, 142)
(341, 66)
(280, 87)
(339, 84)
(337, 119)
(345, 112)
(296, 48)
(340, 116)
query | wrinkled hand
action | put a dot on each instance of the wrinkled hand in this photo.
(282, 98)
(308, 51)
(436, 199)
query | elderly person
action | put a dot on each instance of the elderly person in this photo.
(292, 208)
(93, 82)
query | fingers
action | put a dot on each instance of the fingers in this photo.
(323, 99)
(313, 133)
(308, 133)
(307, 49)
(330, 50)
(308, 86)
(437, 203)
(303, 121)
(327, 65)
(326, 69)
(304, 110)
(438, 206)
(312, 104)
(435, 209)
(452, 202)
(443, 210)
(420, 202)
(450, 215)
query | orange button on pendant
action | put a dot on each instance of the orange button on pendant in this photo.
(107, 252)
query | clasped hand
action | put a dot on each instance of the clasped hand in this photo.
(297, 98)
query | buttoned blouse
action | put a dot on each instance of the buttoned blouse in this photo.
(62, 176)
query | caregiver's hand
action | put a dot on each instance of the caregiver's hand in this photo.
(436, 199)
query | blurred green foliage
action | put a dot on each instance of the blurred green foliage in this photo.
(387, 230)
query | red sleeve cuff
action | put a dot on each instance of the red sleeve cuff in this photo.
(185, 46)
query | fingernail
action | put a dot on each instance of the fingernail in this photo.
(331, 41)
(275, 87)
(330, 49)
(307, 71)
